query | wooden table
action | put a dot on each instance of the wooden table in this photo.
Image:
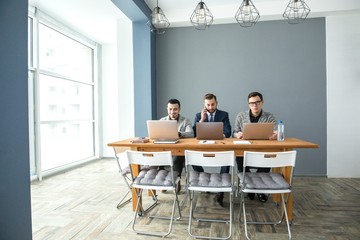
(220, 145)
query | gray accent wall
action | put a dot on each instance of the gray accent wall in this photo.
(286, 63)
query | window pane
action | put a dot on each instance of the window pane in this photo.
(30, 42)
(64, 143)
(61, 99)
(31, 126)
(63, 55)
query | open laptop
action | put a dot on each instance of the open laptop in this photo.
(163, 131)
(209, 130)
(258, 131)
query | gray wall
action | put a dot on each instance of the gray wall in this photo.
(15, 208)
(287, 63)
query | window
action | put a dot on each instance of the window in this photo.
(63, 55)
(63, 83)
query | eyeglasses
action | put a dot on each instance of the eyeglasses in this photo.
(255, 103)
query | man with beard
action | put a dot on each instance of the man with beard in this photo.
(211, 113)
(184, 128)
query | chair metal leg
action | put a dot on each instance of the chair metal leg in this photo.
(283, 215)
(242, 209)
(175, 203)
(286, 215)
(191, 217)
(122, 202)
(172, 218)
(150, 206)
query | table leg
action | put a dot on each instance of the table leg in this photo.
(136, 170)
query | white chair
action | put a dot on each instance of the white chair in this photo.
(210, 182)
(154, 179)
(266, 183)
(124, 171)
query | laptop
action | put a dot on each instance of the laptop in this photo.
(209, 130)
(258, 131)
(163, 131)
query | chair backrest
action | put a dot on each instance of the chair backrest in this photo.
(121, 159)
(210, 159)
(150, 158)
(269, 159)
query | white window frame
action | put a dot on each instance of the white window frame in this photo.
(34, 124)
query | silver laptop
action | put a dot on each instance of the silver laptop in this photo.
(258, 131)
(163, 131)
(209, 130)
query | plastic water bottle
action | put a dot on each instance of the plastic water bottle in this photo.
(280, 131)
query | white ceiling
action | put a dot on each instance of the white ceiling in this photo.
(97, 18)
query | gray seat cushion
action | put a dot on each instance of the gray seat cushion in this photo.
(264, 181)
(202, 179)
(155, 177)
(126, 170)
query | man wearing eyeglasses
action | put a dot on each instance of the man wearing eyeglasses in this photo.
(253, 115)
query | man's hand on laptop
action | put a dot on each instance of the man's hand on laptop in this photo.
(274, 136)
(238, 135)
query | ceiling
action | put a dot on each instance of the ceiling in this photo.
(95, 19)
(178, 12)
(85, 16)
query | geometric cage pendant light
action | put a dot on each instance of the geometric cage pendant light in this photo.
(247, 15)
(296, 11)
(158, 21)
(201, 18)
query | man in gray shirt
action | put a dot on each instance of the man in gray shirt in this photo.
(253, 115)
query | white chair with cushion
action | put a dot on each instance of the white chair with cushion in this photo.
(124, 170)
(266, 183)
(154, 179)
(210, 182)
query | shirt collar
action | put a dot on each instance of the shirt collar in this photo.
(253, 118)
(212, 113)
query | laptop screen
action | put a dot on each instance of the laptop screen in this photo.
(162, 129)
(209, 130)
(260, 131)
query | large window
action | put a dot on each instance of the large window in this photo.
(62, 79)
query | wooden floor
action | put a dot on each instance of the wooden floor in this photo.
(81, 204)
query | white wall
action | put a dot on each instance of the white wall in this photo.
(118, 88)
(343, 95)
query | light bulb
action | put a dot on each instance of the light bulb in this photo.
(246, 10)
(296, 6)
(201, 15)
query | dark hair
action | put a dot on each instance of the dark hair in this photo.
(210, 96)
(255, 94)
(174, 101)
